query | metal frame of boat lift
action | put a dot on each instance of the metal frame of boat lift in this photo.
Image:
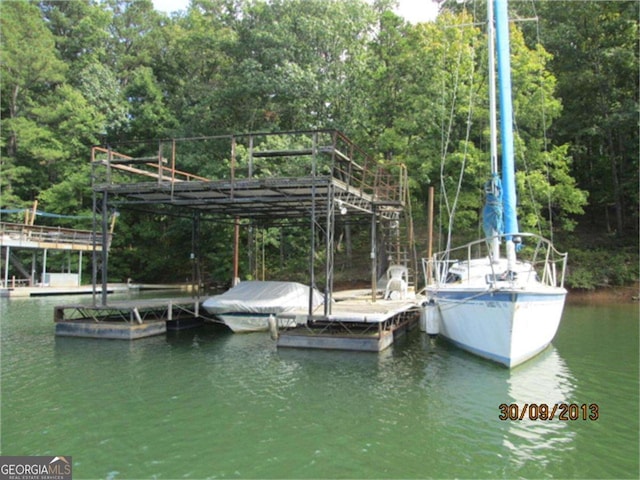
(337, 176)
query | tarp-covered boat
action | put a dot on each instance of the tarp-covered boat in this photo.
(247, 306)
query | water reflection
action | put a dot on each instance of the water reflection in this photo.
(206, 403)
(544, 382)
(464, 395)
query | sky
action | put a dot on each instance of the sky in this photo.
(414, 11)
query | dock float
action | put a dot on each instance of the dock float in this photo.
(356, 325)
(127, 320)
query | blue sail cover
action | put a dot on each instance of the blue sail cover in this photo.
(506, 117)
(492, 219)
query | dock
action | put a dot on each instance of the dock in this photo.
(356, 324)
(48, 290)
(317, 178)
(127, 320)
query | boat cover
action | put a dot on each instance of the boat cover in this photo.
(255, 296)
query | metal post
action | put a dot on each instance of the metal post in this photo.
(7, 251)
(94, 227)
(44, 266)
(250, 166)
(80, 268)
(196, 279)
(430, 245)
(160, 172)
(105, 250)
(312, 253)
(374, 280)
(233, 165)
(328, 285)
(236, 252)
(173, 160)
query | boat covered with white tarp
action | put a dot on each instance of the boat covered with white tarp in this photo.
(248, 306)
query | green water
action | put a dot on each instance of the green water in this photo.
(210, 404)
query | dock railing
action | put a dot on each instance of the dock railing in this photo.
(16, 234)
(255, 155)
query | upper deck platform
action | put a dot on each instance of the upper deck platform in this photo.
(256, 175)
(40, 237)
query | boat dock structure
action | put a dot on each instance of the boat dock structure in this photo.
(33, 278)
(323, 178)
(127, 320)
(355, 324)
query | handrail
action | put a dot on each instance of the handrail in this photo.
(44, 234)
(124, 162)
(348, 162)
(551, 260)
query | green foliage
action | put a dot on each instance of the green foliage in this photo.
(148, 115)
(596, 60)
(101, 89)
(117, 72)
(597, 268)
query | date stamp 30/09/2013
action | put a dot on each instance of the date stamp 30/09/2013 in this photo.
(544, 411)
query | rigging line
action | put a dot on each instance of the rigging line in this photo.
(442, 152)
(447, 140)
(466, 144)
(446, 137)
(545, 138)
(545, 146)
(544, 130)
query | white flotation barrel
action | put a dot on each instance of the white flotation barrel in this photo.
(430, 318)
(273, 327)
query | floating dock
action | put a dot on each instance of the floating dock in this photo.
(47, 291)
(127, 320)
(358, 324)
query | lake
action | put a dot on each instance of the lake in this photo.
(206, 403)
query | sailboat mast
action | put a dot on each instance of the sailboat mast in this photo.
(495, 241)
(492, 89)
(506, 117)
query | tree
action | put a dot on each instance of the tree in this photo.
(148, 115)
(29, 75)
(194, 69)
(595, 58)
(134, 36)
(81, 32)
(437, 121)
(296, 61)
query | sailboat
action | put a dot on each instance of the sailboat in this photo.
(503, 308)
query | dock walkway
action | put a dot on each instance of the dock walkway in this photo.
(355, 323)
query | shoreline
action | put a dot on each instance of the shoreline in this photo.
(624, 294)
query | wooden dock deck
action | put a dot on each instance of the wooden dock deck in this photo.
(355, 323)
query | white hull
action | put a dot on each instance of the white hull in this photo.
(504, 311)
(244, 323)
(508, 327)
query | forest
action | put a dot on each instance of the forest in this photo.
(80, 73)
